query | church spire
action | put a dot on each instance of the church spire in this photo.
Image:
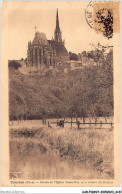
(57, 20)
(57, 33)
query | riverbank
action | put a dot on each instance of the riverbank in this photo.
(90, 147)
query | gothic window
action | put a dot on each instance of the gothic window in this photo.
(50, 61)
(31, 53)
(40, 56)
(45, 60)
(36, 59)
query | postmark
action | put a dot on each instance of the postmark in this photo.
(89, 14)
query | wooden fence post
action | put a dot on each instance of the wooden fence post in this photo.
(100, 123)
(111, 124)
(78, 124)
(105, 119)
(90, 123)
(84, 120)
(71, 123)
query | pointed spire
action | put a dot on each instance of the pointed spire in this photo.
(57, 20)
(57, 32)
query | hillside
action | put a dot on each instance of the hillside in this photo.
(78, 93)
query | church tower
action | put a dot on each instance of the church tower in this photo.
(57, 33)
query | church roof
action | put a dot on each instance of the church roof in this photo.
(59, 47)
(40, 38)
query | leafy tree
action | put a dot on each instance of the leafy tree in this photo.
(79, 93)
(14, 64)
(73, 56)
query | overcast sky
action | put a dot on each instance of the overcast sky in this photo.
(75, 30)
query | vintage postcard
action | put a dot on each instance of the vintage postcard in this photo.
(60, 78)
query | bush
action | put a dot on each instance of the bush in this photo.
(14, 64)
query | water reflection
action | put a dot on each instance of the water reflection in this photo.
(29, 161)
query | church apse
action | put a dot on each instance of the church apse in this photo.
(40, 52)
(43, 52)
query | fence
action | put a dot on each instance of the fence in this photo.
(62, 123)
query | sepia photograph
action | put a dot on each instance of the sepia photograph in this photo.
(61, 102)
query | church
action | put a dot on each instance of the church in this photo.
(44, 53)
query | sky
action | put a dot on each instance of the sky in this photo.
(75, 30)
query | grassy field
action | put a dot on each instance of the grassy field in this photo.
(92, 147)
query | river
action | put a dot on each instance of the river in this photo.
(33, 162)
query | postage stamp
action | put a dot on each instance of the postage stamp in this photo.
(99, 16)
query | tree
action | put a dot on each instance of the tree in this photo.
(73, 56)
(14, 64)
